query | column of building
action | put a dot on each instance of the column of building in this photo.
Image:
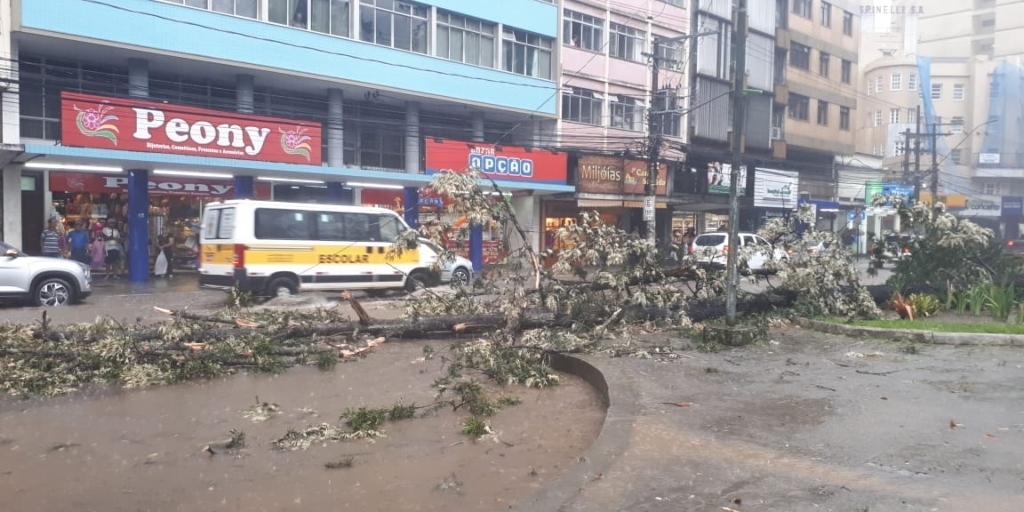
(138, 189)
(476, 231)
(244, 104)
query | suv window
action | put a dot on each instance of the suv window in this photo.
(709, 240)
(762, 241)
(219, 224)
(747, 240)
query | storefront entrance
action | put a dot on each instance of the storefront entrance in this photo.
(175, 206)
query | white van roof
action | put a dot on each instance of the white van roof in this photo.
(299, 206)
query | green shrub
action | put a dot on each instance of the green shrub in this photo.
(1000, 299)
(924, 304)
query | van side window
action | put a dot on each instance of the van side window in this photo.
(358, 228)
(330, 226)
(274, 224)
(390, 228)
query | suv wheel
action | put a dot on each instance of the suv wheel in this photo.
(53, 291)
(460, 277)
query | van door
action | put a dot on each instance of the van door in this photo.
(350, 254)
(216, 247)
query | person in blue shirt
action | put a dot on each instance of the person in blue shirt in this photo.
(78, 240)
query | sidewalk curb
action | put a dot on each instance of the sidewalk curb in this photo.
(936, 338)
(621, 399)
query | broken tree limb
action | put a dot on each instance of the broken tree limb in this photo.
(364, 317)
(187, 315)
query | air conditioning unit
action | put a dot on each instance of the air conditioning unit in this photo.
(776, 133)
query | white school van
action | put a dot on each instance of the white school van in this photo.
(273, 249)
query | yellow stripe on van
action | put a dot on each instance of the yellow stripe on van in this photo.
(223, 254)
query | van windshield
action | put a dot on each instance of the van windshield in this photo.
(709, 240)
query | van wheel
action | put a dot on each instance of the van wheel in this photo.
(417, 279)
(282, 287)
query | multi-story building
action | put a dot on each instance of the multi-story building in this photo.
(971, 74)
(801, 101)
(140, 110)
(817, 92)
(606, 109)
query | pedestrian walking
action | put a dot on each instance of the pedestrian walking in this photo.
(78, 240)
(50, 240)
(165, 244)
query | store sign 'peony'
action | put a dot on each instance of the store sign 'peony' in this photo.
(133, 124)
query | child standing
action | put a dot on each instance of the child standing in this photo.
(98, 253)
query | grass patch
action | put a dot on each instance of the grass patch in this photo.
(928, 325)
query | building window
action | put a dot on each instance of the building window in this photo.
(936, 91)
(901, 148)
(846, 71)
(896, 82)
(799, 107)
(669, 116)
(243, 8)
(465, 39)
(41, 82)
(583, 31)
(802, 8)
(394, 23)
(826, 14)
(912, 115)
(581, 106)
(956, 155)
(844, 118)
(324, 16)
(823, 113)
(671, 55)
(824, 60)
(627, 113)
(847, 24)
(956, 124)
(912, 82)
(878, 118)
(991, 189)
(527, 54)
(878, 83)
(800, 56)
(894, 116)
(677, 3)
(626, 43)
(958, 92)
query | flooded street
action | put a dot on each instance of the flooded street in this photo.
(144, 450)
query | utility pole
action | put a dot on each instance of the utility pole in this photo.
(654, 143)
(906, 153)
(917, 158)
(738, 102)
(934, 137)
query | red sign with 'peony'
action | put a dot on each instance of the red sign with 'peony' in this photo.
(131, 125)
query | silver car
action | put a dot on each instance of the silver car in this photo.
(42, 281)
(457, 271)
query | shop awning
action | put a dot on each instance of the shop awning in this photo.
(608, 203)
(70, 156)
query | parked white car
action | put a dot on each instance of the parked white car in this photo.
(712, 250)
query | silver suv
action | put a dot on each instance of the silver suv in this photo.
(43, 281)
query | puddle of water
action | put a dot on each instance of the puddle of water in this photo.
(143, 450)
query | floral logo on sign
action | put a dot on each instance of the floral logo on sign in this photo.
(294, 142)
(97, 122)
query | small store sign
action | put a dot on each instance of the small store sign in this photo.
(720, 179)
(129, 124)
(158, 185)
(776, 189)
(498, 162)
(613, 175)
